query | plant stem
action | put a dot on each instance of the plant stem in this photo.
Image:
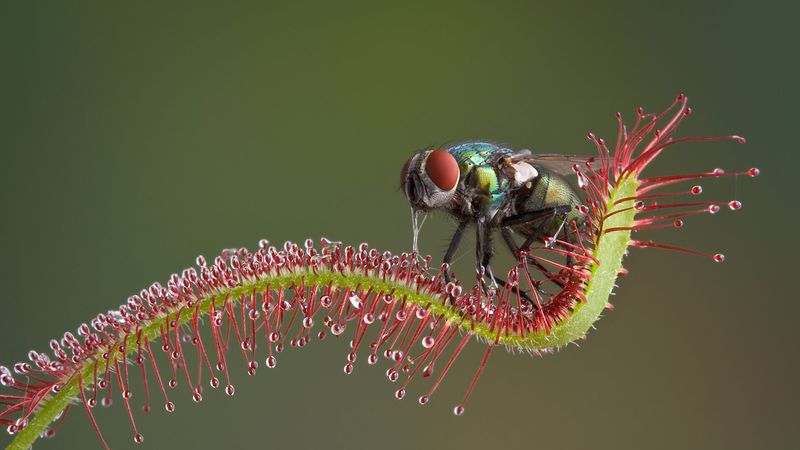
(609, 251)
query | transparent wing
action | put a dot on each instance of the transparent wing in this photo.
(562, 164)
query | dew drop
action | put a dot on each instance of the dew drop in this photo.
(271, 362)
(105, 402)
(230, 390)
(325, 301)
(348, 369)
(126, 394)
(146, 409)
(369, 318)
(713, 209)
(308, 322)
(392, 375)
(754, 172)
(458, 410)
(423, 399)
(428, 341)
(172, 383)
(356, 301)
(697, 190)
(197, 397)
(214, 382)
(274, 337)
(400, 393)
(372, 359)
(351, 357)
(337, 329)
(734, 205)
(169, 406)
(718, 172)
(678, 223)
(719, 257)
(582, 181)
(220, 366)
(138, 438)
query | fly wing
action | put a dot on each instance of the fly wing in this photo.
(562, 164)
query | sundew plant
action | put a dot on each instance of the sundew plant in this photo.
(182, 338)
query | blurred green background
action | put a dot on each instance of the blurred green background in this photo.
(134, 138)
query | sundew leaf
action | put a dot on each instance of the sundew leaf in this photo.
(391, 307)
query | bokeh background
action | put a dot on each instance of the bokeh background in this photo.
(134, 138)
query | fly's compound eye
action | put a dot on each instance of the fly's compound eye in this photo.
(442, 168)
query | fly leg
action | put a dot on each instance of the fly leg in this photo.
(506, 233)
(480, 240)
(512, 246)
(455, 241)
(488, 253)
(546, 216)
(571, 237)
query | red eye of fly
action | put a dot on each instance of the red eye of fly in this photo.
(442, 169)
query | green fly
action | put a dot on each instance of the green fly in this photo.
(496, 188)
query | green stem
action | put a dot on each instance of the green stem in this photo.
(609, 251)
